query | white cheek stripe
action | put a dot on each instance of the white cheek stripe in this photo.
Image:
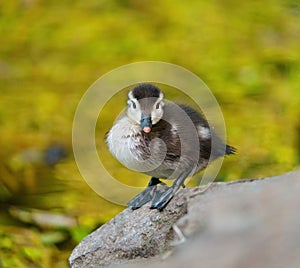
(204, 132)
(130, 96)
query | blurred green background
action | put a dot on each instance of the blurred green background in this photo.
(51, 51)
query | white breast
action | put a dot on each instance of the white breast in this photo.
(122, 141)
(127, 145)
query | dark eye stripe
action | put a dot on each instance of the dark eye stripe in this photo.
(133, 105)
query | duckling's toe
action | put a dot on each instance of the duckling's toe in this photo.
(162, 199)
(142, 198)
(158, 192)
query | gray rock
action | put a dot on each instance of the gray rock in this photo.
(248, 223)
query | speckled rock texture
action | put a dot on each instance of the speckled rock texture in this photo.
(246, 223)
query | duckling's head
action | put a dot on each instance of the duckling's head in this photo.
(145, 106)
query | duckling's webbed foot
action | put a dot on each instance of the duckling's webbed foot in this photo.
(163, 198)
(160, 201)
(142, 198)
(146, 195)
(158, 193)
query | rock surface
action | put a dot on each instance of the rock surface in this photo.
(248, 223)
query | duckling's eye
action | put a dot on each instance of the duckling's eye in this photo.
(157, 106)
(133, 105)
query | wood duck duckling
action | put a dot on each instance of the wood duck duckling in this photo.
(164, 140)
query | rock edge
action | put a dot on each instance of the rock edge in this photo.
(243, 222)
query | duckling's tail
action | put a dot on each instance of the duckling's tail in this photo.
(230, 150)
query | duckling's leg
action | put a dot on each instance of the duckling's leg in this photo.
(160, 201)
(146, 195)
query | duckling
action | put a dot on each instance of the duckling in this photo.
(164, 140)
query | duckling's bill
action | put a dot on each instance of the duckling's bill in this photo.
(146, 123)
(147, 129)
